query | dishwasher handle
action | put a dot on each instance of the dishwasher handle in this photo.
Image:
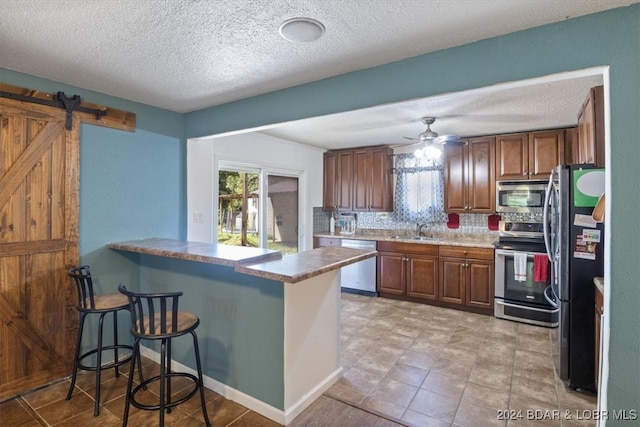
(360, 244)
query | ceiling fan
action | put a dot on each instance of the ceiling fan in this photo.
(429, 136)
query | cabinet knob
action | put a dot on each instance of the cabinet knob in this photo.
(524, 173)
(465, 252)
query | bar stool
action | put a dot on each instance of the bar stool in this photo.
(155, 316)
(91, 303)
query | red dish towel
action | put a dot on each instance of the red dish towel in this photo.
(454, 220)
(540, 268)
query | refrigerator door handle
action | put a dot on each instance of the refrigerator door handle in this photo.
(553, 300)
(545, 218)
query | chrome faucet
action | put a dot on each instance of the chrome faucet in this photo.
(419, 228)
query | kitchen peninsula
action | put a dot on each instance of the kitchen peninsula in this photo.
(269, 324)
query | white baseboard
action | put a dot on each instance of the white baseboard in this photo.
(230, 393)
(302, 404)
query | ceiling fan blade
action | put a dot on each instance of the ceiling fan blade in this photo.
(411, 139)
(450, 139)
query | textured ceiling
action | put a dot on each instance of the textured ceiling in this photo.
(185, 55)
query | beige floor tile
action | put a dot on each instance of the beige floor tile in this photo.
(464, 355)
(535, 389)
(493, 378)
(446, 385)
(435, 405)
(394, 391)
(360, 379)
(414, 418)
(470, 415)
(452, 368)
(407, 374)
(486, 396)
(417, 359)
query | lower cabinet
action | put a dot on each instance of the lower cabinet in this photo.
(409, 270)
(326, 241)
(445, 275)
(466, 276)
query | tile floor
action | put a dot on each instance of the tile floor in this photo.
(432, 366)
(414, 364)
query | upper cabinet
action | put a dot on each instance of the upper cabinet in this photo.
(530, 155)
(358, 180)
(469, 176)
(338, 176)
(591, 129)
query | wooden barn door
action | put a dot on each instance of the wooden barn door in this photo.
(39, 166)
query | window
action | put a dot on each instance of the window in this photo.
(419, 190)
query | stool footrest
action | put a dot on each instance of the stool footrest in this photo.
(112, 364)
(145, 384)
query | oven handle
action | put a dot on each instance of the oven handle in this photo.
(505, 252)
(506, 304)
(551, 300)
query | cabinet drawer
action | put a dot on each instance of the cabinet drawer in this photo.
(326, 241)
(412, 248)
(467, 252)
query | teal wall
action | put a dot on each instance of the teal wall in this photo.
(241, 331)
(610, 38)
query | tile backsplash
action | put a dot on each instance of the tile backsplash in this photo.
(469, 223)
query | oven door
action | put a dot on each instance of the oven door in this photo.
(507, 287)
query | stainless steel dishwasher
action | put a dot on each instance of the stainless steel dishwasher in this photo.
(359, 277)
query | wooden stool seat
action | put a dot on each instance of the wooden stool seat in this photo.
(155, 316)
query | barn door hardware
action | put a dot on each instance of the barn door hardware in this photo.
(60, 100)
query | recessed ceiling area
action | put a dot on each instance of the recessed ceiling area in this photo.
(545, 103)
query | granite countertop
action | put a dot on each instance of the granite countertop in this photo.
(266, 263)
(305, 265)
(481, 240)
(197, 251)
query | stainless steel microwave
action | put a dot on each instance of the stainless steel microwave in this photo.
(520, 196)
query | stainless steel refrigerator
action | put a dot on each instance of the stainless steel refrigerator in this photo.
(575, 246)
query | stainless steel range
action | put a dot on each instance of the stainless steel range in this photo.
(522, 275)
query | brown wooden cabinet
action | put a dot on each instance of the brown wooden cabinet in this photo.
(372, 186)
(358, 180)
(598, 330)
(591, 128)
(338, 177)
(466, 276)
(469, 176)
(529, 155)
(408, 269)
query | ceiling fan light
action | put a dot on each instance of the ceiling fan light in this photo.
(419, 153)
(432, 152)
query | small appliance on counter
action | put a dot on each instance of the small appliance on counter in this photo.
(346, 224)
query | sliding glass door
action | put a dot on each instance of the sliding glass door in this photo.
(257, 208)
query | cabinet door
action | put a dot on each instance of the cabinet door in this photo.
(479, 284)
(345, 177)
(452, 280)
(571, 149)
(361, 179)
(330, 184)
(546, 151)
(591, 128)
(422, 277)
(481, 190)
(391, 273)
(380, 181)
(455, 179)
(512, 156)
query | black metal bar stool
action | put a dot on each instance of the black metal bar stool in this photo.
(155, 316)
(99, 304)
